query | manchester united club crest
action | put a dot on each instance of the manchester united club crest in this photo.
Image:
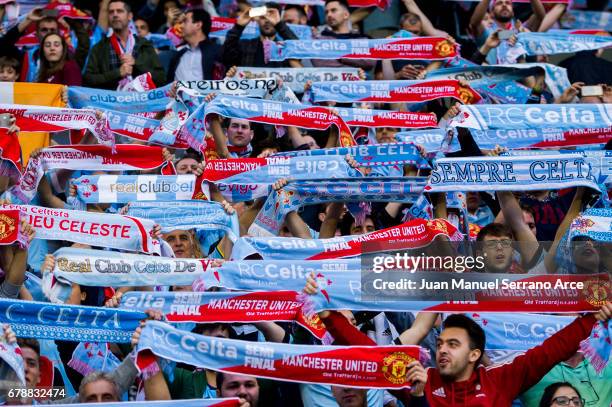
(444, 48)
(7, 226)
(466, 94)
(395, 367)
(437, 225)
(596, 292)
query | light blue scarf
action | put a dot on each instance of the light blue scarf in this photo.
(42, 320)
(297, 194)
(511, 173)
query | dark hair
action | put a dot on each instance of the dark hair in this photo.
(297, 8)
(228, 121)
(46, 19)
(11, 62)
(343, 3)
(127, 6)
(494, 229)
(274, 5)
(191, 153)
(528, 208)
(200, 328)
(221, 379)
(46, 69)
(474, 331)
(201, 16)
(550, 391)
(29, 343)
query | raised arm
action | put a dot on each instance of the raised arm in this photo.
(421, 326)
(513, 216)
(475, 25)
(428, 27)
(572, 212)
(552, 17)
(539, 13)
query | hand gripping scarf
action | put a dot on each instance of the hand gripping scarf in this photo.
(91, 228)
(88, 158)
(162, 132)
(210, 221)
(431, 140)
(10, 228)
(267, 112)
(128, 188)
(370, 118)
(393, 91)
(42, 320)
(355, 366)
(347, 284)
(297, 194)
(409, 235)
(368, 155)
(154, 100)
(207, 307)
(102, 268)
(244, 179)
(50, 119)
(220, 26)
(420, 48)
(12, 367)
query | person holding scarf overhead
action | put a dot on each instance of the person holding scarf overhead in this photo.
(501, 18)
(115, 60)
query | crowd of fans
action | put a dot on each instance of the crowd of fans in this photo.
(125, 39)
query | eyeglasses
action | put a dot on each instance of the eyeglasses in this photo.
(566, 401)
(492, 244)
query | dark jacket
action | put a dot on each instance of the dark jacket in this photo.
(251, 52)
(100, 73)
(211, 54)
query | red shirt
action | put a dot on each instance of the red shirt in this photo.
(69, 75)
(494, 386)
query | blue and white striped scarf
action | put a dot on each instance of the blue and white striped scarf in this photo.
(210, 221)
(42, 320)
(129, 188)
(368, 155)
(245, 179)
(154, 100)
(526, 173)
(530, 43)
(567, 116)
(297, 194)
(581, 19)
(103, 268)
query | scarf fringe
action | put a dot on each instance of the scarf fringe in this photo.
(80, 366)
